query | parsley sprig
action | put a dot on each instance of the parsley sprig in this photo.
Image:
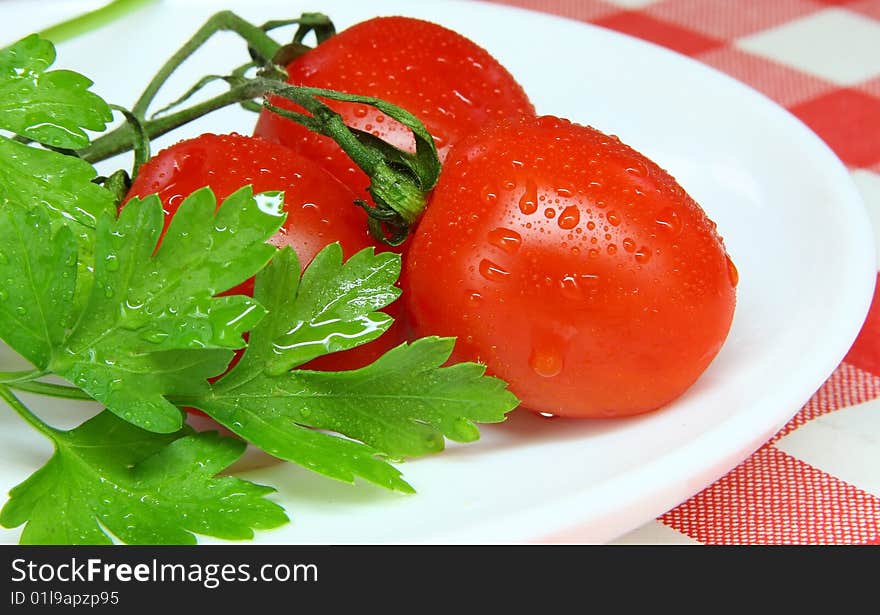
(145, 321)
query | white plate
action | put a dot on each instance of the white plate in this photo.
(791, 218)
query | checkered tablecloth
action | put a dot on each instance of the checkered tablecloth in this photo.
(818, 480)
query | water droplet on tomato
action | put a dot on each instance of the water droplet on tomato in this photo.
(612, 249)
(504, 238)
(550, 213)
(489, 195)
(570, 217)
(474, 298)
(546, 362)
(732, 272)
(629, 245)
(547, 415)
(528, 202)
(643, 255)
(492, 271)
(613, 218)
(669, 220)
(564, 192)
(360, 112)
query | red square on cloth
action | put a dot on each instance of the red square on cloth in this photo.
(662, 33)
(843, 118)
(774, 498)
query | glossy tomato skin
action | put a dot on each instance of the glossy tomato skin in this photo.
(574, 267)
(319, 207)
(450, 83)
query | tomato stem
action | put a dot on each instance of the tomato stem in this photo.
(260, 42)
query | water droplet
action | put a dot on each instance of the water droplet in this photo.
(547, 415)
(20, 310)
(154, 337)
(492, 271)
(564, 192)
(613, 218)
(3, 258)
(643, 255)
(611, 249)
(669, 220)
(3, 294)
(732, 272)
(629, 245)
(111, 263)
(528, 202)
(474, 298)
(271, 202)
(550, 213)
(570, 217)
(360, 112)
(545, 362)
(489, 195)
(504, 238)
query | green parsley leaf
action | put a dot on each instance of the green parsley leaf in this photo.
(335, 307)
(401, 405)
(52, 107)
(35, 308)
(33, 177)
(143, 487)
(152, 326)
(333, 310)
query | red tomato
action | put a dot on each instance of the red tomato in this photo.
(573, 267)
(450, 83)
(319, 208)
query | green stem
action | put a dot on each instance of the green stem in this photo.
(121, 139)
(399, 180)
(263, 44)
(92, 20)
(51, 390)
(24, 412)
(14, 377)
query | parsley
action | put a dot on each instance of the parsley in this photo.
(144, 488)
(145, 320)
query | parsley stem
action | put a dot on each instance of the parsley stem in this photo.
(92, 20)
(16, 377)
(51, 390)
(29, 417)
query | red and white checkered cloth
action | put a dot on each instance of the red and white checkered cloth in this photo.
(818, 480)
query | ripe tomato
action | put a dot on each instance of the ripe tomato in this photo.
(450, 83)
(573, 267)
(319, 208)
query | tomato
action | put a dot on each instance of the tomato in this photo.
(319, 207)
(572, 266)
(450, 83)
